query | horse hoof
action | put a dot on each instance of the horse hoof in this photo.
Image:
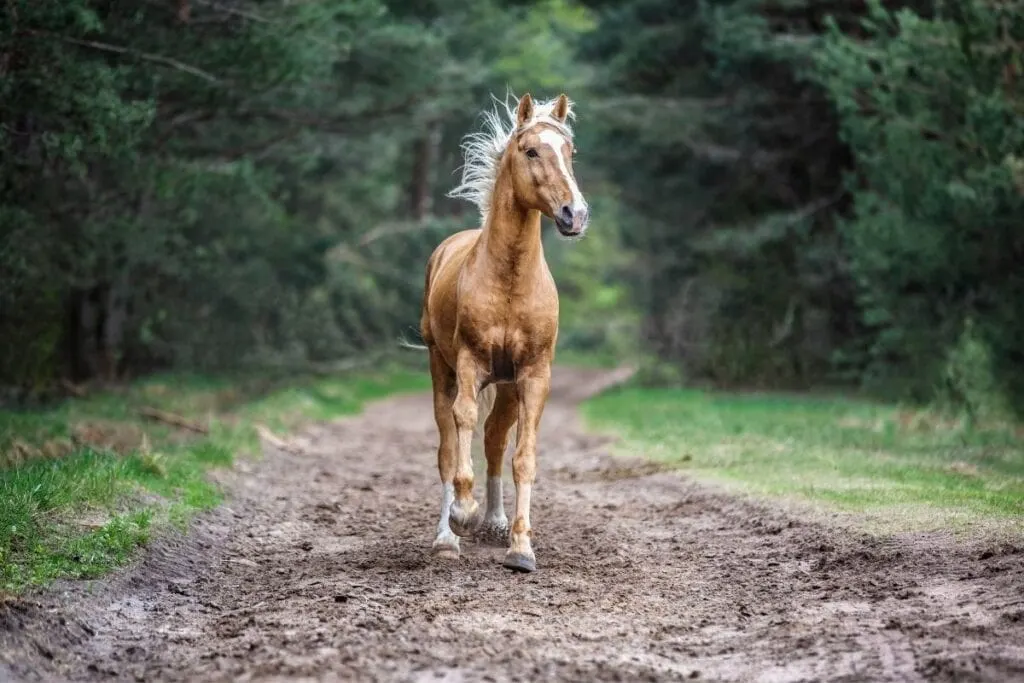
(464, 523)
(494, 533)
(445, 553)
(445, 549)
(520, 562)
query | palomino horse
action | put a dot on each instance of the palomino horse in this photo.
(490, 318)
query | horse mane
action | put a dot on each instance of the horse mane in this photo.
(482, 150)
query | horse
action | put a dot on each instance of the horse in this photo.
(490, 318)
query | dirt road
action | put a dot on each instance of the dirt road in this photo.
(318, 569)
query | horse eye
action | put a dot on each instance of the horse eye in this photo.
(532, 153)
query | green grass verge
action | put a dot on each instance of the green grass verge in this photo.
(896, 469)
(83, 485)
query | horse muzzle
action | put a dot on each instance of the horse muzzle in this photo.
(572, 222)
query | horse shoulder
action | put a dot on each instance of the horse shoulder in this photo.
(441, 297)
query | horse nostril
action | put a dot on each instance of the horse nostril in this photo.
(566, 213)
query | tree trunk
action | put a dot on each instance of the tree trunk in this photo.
(94, 330)
(115, 313)
(79, 334)
(421, 200)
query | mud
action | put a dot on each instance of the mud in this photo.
(318, 569)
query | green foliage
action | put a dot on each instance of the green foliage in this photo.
(243, 183)
(706, 129)
(784, 193)
(541, 59)
(822, 192)
(970, 384)
(934, 244)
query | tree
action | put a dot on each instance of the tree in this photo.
(194, 183)
(730, 168)
(931, 107)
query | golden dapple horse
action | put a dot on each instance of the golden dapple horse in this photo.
(490, 318)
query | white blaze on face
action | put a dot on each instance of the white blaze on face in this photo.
(556, 142)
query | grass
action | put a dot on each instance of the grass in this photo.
(84, 484)
(895, 469)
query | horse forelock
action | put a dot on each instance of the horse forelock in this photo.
(482, 150)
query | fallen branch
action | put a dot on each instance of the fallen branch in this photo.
(277, 442)
(75, 390)
(173, 420)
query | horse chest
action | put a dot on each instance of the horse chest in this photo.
(510, 339)
(508, 323)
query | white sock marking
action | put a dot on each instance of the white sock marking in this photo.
(495, 504)
(523, 508)
(447, 497)
(526, 489)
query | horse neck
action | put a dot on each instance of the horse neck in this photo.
(510, 244)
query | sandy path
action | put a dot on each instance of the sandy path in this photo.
(318, 569)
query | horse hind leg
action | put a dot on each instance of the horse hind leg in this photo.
(502, 416)
(446, 544)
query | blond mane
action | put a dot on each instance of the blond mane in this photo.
(482, 150)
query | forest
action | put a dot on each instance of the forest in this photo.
(783, 437)
(786, 194)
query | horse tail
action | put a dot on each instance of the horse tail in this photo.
(415, 347)
(405, 344)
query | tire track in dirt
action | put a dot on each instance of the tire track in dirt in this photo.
(319, 569)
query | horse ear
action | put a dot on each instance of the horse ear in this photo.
(525, 110)
(562, 108)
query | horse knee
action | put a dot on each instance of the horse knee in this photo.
(524, 465)
(463, 481)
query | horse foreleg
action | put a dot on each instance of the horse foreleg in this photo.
(533, 394)
(446, 544)
(494, 529)
(464, 516)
